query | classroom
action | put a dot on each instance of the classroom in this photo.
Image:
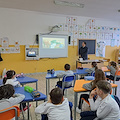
(49, 46)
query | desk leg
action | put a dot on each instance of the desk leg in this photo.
(75, 104)
(115, 90)
(22, 111)
(48, 86)
(47, 89)
(28, 111)
(36, 89)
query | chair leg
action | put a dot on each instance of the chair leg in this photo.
(66, 93)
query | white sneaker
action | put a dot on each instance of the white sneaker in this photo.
(78, 110)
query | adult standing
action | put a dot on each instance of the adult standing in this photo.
(83, 51)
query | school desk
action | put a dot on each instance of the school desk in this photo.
(25, 80)
(105, 69)
(78, 89)
(87, 63)
(29, 98)
(48, 77)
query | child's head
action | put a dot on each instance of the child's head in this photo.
(67, 67)
(103, 88)
(56, 96)
(94, 65)
(99, 75)
(6, 91)
(9, 75)
(114, 64)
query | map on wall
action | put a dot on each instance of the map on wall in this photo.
(53, 43)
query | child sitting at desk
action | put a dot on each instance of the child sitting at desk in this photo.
(8, 98)
(112, 66)
(57, 108)
(94, 67)
(10, 78)
(105, 106)
(67, 72)
(99, 75)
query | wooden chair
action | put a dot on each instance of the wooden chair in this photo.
(9, 113)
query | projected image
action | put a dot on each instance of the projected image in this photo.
(53, 43)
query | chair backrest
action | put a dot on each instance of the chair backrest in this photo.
(117, 73)
(68, 78)
(9, 113)
(93, 74)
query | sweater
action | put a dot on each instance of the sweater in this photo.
(112, 70)
(13, 82)
(55, 112)
(90, 70)
(67, 73)
(5, 103)
(107, 109)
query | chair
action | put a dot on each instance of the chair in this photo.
(93, 74)
(9, 113)
(67, 79)
(117, 76)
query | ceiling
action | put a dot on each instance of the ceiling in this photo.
(107, 9)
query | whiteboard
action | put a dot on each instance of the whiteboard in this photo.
(53, 46)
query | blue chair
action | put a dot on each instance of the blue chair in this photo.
(67, 79)
(93, 74)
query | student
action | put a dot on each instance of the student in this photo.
(8, 98)
(57, 108)
(106, 107)
(112, 66)
(94, 67)
(11, 79)
(67, 72)
(99, 75)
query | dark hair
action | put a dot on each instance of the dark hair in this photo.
(9, 75)
(84, 43)
(104, 85)
(67, 67)
(99, 75)
(94, 64)
(114, 64)
(6, 91)
(56, 95)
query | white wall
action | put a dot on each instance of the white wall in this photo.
(23, 25)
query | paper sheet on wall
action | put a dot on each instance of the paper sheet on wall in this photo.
(73, 20)
(5, 42)
(100, 50)
(112, 42)
(68, 20)
(65, 27)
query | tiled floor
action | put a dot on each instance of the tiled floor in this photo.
(42, 88)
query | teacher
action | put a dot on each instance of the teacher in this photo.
(83, 51)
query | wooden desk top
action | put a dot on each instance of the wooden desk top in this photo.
(79, 83)
(105, 69)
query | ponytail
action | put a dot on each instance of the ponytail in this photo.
(4, 80)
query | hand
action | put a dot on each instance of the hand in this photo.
(92, 94)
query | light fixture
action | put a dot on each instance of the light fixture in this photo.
(66, 3)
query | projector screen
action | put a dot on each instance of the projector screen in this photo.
(53, 46)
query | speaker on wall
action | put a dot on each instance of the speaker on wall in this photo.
(37, 39)
(69, 39)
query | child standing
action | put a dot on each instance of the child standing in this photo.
(94, 67)
(57, 108)
(112, 66)
(8, 98)
(107, 108)
(67, 72)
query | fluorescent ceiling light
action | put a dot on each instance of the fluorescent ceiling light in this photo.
(66, 3)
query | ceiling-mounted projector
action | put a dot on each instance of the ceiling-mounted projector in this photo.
(55, 28)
